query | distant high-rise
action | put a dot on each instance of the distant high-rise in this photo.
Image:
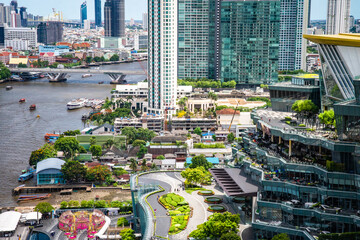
(293, 24)
(83, 12)
(250, 41)
(338, 17)
(23, 16)
(50, 32)
(2, 35)
(2, 14)
(352, 22)
(145, 21)
(162, 59)
(15, 19)
(98, 13)
(14, 6)
(114, 18)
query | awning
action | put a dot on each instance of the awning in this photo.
(234, 182)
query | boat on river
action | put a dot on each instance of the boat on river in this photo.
(77, 103)
(86, 75)
(9, 87)
(33, 197)
(32, 107)
(22, 100)
(26, 175)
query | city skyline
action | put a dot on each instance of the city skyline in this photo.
(135, 8)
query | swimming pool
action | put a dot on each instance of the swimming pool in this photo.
(38, 236)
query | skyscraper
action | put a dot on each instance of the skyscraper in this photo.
(13, 6)
(250, 41)
(83, 12)
(2, 14)
(162, 59)
(293, 24)
(23, 16)
(114, 18)
(193, 39)
(50, 32)
(98, 13)
(338, 17)
(145, 21)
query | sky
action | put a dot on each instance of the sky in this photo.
(135, 8)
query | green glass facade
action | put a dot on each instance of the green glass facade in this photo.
(250, 41)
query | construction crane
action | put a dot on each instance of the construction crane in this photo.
(142, 66)
(234, 115)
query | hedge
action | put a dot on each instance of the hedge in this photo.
(340, 236)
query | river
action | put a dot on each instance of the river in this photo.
(22, 132)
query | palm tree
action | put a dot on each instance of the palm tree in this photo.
(213, 98)
(133, 164)
(143, 165)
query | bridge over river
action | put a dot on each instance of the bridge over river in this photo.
(59, 74)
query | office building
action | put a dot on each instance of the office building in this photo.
(7, 14)
(83, 12)
(23, 16)
(193, 39)
(15, 20)
(140, 42)
(2, 13)
(294, 17)
(2, 35)
(145, 21)
(14, 6)
(163, 57)
(250, 51)
(338, 16)
(20, 38)
(86, 24)
(50, 32)
(352, 22)
(114, 18)
(98, 13)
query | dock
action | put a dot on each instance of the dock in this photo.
(50, 188)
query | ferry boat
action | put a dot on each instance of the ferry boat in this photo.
(51, 137)
(77, 103)
(94, 102)
(22, 100)
(32, 107)
(86, 75)
(9, 87)
(101, 82)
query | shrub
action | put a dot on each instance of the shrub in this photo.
(173, 203)
(63, 204)
(115, 185)
(84, 204)
(302, 125)
(287, 118)
(288, 122)
(122, 222)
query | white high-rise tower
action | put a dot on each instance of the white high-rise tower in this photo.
(338, 17)
(162, 59)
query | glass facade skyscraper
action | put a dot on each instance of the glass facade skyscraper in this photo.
(293, 24)
(83, 12)
(193, 39)
(98, 13)
(114, 18)
(250, 41)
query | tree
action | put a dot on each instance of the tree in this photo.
(193, 175)
(230, 236)
(182, 102)
(281, 236)
(89, 59)
(198, 131)
(143, 165)
(73, 171)
(133, 164)
(230, 137)
(44, 207)
(127, 234)
(72, 132)
(92, 140)
(109, 143)
(4, 72)
(119, 171)
(305, 108)
(130, 133)
(122, 222)
(217, 225)
(98, 174)
(213, 98)
(114, 57)
(160, 157)
(142, 151)
(68, 145)
(63, 204)
(22, 65)
(145, 134)
(46, 151)
(95, 150)
(200, 161)
(328, 118)
(138, 142)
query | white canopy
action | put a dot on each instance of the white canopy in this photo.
(33, 216)
(9, 221)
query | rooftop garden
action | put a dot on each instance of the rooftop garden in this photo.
(215, 145)
(206, 83)
(178, 209)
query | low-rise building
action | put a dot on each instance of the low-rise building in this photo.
(207, 137)
(48, 56)
(167, 164)
(8, 223)
(48, 171)
(14, 62)
(189, 124)
(152, 123)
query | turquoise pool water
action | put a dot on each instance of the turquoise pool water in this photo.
(39, 236)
